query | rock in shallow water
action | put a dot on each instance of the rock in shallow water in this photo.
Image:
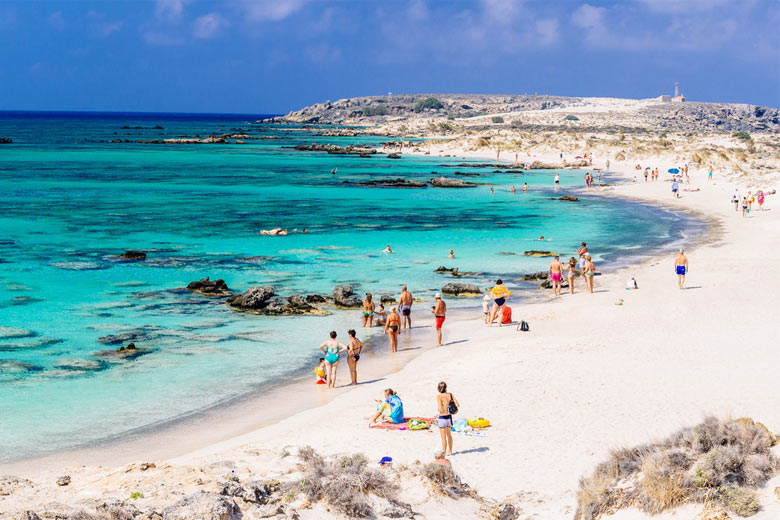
(539, 253)
(343, 296)
(263, 300)
(448, 182)
(209, 288)
(461, 289)
(133, 255)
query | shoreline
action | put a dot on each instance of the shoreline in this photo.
(591, 376)
(165, 437)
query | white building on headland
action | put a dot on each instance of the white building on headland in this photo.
(677, 98)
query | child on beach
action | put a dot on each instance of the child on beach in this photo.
(319, 371)
(486, 308)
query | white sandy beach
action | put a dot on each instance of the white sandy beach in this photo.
(590, 376)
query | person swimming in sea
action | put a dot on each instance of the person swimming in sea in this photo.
(452, 254)
(387, 249)
(332, 349)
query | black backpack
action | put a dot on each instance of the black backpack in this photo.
(523, 326)
(452, 407)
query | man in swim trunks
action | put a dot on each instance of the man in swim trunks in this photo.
(681, 268)
(405, 302)
(439, 310)
(675, 187)
(556, 274)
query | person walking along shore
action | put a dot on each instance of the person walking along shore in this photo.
(439, 311)
(681, 268)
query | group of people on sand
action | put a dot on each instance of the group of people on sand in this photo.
(586, 268)
(390, 410)
(748, 200)
(332, 349)
(397, 320)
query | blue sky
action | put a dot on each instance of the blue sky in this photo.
(277, 55)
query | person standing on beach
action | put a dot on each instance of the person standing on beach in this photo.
(500, 294)
(607, 164)
(368, 311)
(444, 402)
(589, 271)
(439, 310)
(405, 302)
(735, 200)
(557, 182)
(675, 187)
(681, 268)
(709, 174)
(556, 275)
(332, 349)
(354, 349)
(572, 267)
(582, 253)
(744, 206)
(392, 325)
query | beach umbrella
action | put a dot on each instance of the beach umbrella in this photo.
(674, 170)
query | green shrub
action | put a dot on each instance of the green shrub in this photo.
(742, 135)
(741, 501)
(445, 127)
(379, 110)
(571, 118)
(429, 102)
(135, 495)
(497, 119)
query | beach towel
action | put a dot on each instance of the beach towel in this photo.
(403, 425)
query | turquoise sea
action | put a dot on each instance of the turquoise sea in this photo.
(73, 201)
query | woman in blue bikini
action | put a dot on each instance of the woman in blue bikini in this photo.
(332, 349)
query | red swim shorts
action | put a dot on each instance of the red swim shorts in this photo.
(556, 277)
(439, 321)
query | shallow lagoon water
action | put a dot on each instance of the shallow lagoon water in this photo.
(72, 205)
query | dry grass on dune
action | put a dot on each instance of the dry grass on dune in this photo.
(716, 462)
(344, 483)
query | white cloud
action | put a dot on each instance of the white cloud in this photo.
(170, 10)
(547, 31)
(417, 10)
(56, 20)
(208, 25)
(589, 18)
(271, 10)
(100, 26)
(501, 11)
